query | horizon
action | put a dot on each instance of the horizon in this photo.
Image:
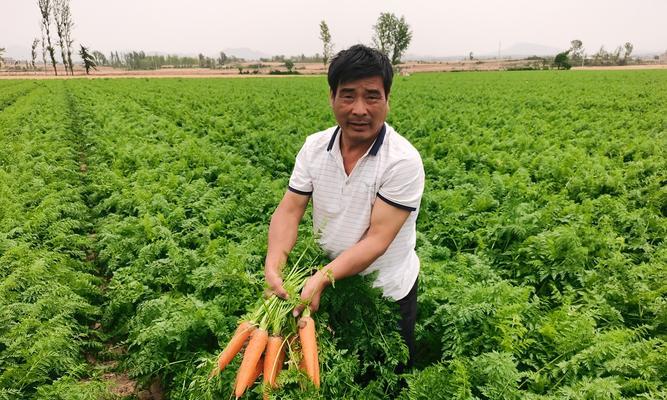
(439, 30)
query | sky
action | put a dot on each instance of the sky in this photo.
(440, 28)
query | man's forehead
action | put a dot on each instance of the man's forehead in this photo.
(370, 83)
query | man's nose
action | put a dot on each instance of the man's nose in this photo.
(359, 107)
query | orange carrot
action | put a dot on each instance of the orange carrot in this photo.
(251, 357)
(273, 361)
(255, 373)
(309, 348)
(242, 333)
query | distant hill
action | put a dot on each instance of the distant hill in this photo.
(530, 49)
(517, 50)
(246, 53)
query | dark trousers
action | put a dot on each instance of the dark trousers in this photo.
(408, 309)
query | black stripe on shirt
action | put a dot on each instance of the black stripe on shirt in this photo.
(302, 193)
(393, 203)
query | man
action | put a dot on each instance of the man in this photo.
(366, 182)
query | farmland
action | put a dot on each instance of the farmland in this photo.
(134, 216)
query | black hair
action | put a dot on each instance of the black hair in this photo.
(360, 62)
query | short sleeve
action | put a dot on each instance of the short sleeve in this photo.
(300, 181)
(403, 184)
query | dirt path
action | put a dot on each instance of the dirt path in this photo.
(304, 70)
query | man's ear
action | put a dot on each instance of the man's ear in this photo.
(331, 97)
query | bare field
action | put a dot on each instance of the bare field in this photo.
(302, 68)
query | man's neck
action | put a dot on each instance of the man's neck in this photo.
(352, 151)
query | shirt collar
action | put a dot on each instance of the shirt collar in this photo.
(376, 144)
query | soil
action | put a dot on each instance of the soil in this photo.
(307, 69)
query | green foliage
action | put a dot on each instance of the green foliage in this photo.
(392, 36)
(289, 64)
(440, 381)
(541, 235)
(68, 388)
(327, 45)
(468, 310)
(88, 59)
(562, 61)
(48, 294)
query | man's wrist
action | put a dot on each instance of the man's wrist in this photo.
(325, 277)
(273, 264)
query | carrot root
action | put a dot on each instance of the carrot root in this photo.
(235, 344)
(251, 358)
(273, 362)
(308, 340)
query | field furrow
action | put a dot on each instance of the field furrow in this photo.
(48, 292)
(145, 203)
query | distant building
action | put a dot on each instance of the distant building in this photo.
(663, 57)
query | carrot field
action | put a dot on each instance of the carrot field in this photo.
(134, 217)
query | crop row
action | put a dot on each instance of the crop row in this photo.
(49, 295)
(541, 234)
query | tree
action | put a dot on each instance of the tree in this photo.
(33, 52)
(43, 43)
(561, 61)
(577, 50)
(616, 55)
(471, 56)
(57, 9)
(45, 10)
(68, 25)
(222, 59)
(628, 50)
(88, 59)
(325, 37)
(392, 36)
(119, 62)
(402, 39)
(2, 51)
(289, 64)
(100, 58)
(601, 56)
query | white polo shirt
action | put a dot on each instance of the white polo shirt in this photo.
(391, 170)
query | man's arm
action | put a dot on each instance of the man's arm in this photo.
(282, 237)
(386, 222)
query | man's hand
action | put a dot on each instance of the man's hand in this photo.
(312, 291)
(275, 283)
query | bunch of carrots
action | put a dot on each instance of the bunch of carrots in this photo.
(269, 332)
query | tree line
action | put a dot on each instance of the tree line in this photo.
(575, 56)
(56, 25)
(392, 36)
(140, 60)
(55, 14)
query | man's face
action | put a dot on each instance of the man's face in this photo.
(360, 108)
